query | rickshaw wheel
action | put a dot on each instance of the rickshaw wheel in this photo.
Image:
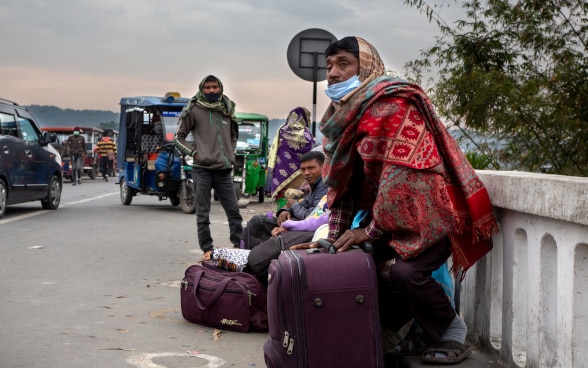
(126, 193)
(189, 202)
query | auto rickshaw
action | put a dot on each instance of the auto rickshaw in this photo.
(251, 155)
(147, 159)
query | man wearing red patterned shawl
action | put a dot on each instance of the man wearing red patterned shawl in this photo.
(388, 154)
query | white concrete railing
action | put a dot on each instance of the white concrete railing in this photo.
(527, 300)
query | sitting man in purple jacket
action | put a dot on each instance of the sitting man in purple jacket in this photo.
(260, 227)
(291, 232)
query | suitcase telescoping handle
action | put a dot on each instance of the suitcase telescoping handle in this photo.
(327, 245)
(366, 247)
(217, 293)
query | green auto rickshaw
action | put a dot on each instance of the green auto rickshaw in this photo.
(251, 155)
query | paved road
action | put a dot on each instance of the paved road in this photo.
(96, 284)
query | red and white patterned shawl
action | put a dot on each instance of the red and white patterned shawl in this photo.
(418, 145)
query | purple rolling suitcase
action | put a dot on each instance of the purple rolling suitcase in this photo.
(323, 311)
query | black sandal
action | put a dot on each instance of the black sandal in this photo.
(414, 343)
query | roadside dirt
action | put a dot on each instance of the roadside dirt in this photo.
(253, 207)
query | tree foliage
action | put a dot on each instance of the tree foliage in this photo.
(516, 71)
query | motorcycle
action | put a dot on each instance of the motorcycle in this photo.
(187, 194)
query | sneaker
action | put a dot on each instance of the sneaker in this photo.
(74, 183)
(106, 178)
(79, 182)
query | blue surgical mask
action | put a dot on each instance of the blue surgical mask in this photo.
(338, 90)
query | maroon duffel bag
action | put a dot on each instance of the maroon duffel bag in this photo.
(214, 297)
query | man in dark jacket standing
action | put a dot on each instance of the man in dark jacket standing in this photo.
(76, 146)
(210, 117)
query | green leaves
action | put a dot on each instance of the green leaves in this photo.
(516, 71)
(478, 161)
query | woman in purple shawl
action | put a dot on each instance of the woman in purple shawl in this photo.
(292, 141)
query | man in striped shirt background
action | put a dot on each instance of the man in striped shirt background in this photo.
(106, 148)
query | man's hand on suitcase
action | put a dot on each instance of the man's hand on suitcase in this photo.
(306, 245)
(351, 238)
(345, 242)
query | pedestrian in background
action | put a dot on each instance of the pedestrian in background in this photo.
(292, 140)
(106, 149)
(76, 146)
(210, 117)
(261, 227)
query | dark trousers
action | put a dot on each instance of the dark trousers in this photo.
(261, 256)
(77, 166)
(106, 166)
(409, 291)
(222, 183)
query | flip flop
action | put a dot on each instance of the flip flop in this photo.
(455, 352)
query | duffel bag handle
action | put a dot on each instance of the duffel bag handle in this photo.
(217, 293)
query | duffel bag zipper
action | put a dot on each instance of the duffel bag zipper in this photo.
(287, 340)
(301, 284)
(250, 295)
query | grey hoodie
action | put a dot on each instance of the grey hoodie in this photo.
(215, 138)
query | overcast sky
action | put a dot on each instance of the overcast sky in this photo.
(87, 54)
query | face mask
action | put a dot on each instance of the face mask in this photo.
(338, 90)
(76, 133)
(212, 97)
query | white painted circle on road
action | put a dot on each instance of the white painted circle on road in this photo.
(146, 360)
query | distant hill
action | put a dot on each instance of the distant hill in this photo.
(56, 116)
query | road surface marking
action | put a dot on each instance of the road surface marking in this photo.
(38, 212)
(92, 198)
(146, 360)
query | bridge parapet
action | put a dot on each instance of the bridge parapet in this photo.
(527, 301)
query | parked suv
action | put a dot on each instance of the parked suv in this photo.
(30, 168)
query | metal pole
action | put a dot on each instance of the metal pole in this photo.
(314, 82)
